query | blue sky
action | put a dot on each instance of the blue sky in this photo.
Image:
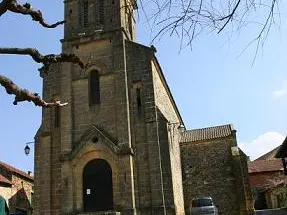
(212, 83)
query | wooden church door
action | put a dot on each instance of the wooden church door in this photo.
(97, 186)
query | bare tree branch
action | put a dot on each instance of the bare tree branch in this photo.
(189, 18)
(46, 60)
(26, 9)
(228, 17)
(4, 5)
(265, 28)
(24, 95)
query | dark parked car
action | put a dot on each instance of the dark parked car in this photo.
(203, 206)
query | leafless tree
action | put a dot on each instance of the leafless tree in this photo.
(186, 18)
(189, 18)
(11, 88)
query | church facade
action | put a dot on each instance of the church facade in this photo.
(115, 149)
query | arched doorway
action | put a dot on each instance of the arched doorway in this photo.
(97, 186)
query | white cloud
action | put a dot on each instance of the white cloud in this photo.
(262, 144)
(282, 91)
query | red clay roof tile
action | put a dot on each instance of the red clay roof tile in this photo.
(17, 171)
(265, 166)
(207, 133)
(5, 180)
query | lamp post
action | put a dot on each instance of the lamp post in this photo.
(27, 148)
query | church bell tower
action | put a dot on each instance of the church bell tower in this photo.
(84, 149)
(101, 152)
(98, 17)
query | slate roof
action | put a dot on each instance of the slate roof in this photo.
(17, 171)
(265, 166)
(207, 133)
(5, 180)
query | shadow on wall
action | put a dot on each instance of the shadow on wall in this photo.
(259, 199)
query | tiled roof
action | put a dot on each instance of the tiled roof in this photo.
(269, 155)
(207, 133)
(17, 171)
(265, 166)
(4, 180)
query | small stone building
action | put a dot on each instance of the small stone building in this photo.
(16, 187)
(115, 149)
(213, 165)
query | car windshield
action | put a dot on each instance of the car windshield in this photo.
(201, 202)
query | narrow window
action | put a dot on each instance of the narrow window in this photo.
(86, 13)
(57, 116)
(139, 102)
(101, 12)
(94, 88)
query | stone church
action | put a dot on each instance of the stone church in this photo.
(120, 147)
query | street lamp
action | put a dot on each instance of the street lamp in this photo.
(27, 148)
(177, 125)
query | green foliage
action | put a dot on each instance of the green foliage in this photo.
(282, 196)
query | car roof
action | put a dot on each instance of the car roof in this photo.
(203, 197)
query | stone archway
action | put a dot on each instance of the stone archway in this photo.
(97, 186)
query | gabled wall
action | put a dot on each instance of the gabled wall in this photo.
(154, 135)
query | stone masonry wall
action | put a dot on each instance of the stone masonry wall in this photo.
(74, 17)
(111, 115)
(158, 169)
(5, 192)
(48, 150)
(249, 203)
(99, 55)
(170, 134)
(166, 161)
(144, 129)
(208, 170)
(162, 96)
